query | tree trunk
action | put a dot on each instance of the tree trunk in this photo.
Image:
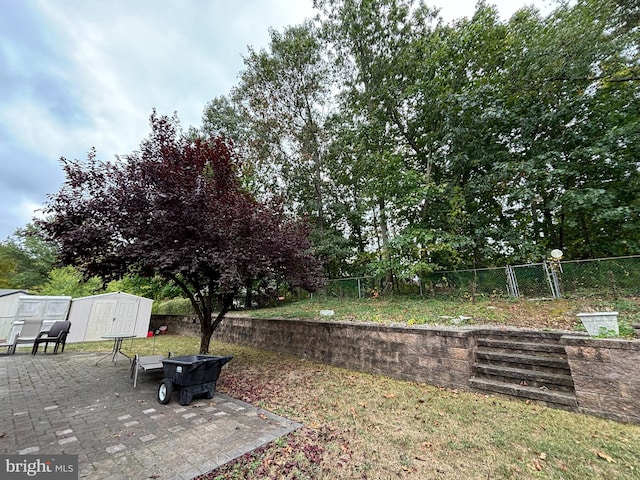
(384, 235)
(248, 299)
(205, 340)
(206, 330)
(207, 326)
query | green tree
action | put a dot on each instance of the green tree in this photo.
(505, 139)
(469, 143)
(373, 43)
(570, 122)
(26, 259)
(69, 281)
(223, 118)
(285, 97)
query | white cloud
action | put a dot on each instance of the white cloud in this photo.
(131, 57)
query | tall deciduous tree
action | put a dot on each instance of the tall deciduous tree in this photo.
(26, 259)
(569, 116)
(506, 139)
(285, 96)
(175, 209)
(369, 40)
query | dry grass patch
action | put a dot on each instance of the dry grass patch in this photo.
(367, 426)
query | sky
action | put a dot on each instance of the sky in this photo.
(77, 74)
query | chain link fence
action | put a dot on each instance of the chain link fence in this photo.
(355, 287)
(603, 276)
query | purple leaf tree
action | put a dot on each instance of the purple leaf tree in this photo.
(176, 208)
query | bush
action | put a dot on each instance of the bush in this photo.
(176, 306)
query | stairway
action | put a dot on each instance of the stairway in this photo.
(525, 364)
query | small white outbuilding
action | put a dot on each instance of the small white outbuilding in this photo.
(49, 309)
(109, 314)
(8, 308)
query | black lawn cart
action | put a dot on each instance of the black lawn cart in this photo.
(190, 375)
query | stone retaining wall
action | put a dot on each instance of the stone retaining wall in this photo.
(178, 324)
(606, 375)
(435, 356)
(606, 372)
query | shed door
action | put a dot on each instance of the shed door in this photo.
(101, 317)
(125, 317)
(54, 311)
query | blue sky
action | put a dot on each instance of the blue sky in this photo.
(77, 74)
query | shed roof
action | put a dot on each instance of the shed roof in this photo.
(4, 292)
(109, 294)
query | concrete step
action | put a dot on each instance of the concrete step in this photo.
(559, 399)
(517, 335)
(554, 349)
(520, 376)
(519, 360)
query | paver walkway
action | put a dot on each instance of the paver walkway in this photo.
(52, 404)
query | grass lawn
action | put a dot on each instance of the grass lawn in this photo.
(363, 426)
(501, 311)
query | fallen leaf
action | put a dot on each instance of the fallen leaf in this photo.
(543, 456)
(388, 395)
(605, 456)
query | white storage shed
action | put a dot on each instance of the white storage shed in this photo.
(8, 308)
(109, 314)
(48, 308)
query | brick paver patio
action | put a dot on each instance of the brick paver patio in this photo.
(51, 404)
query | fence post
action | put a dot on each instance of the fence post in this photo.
(552, 278)
(512, 282)
(612, 280)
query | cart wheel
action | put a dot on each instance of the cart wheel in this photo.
(165, 389)
(185, 398)
(208, 393)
